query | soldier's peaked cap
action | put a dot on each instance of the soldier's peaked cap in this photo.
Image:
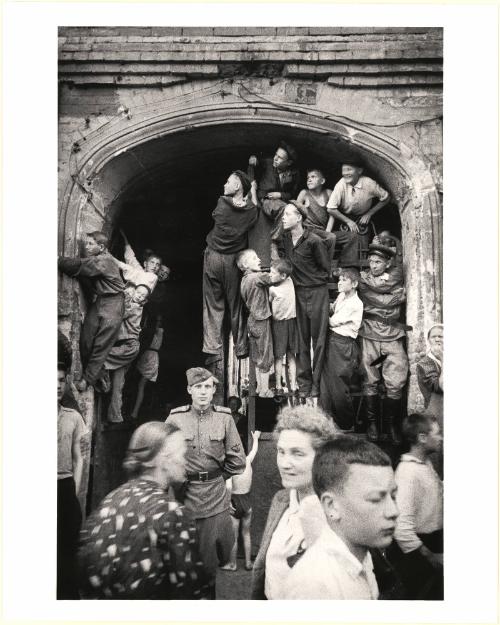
(381, 250)
(195, 375)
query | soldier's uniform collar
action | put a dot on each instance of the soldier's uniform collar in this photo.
(202, 412)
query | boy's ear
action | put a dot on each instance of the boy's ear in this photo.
(330, 505)
(355, 284)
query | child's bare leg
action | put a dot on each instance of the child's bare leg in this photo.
(246, 522)
(231, 565)
(292, 370)
(278, 370)
(140, 396)
(262, 382)
(115, 404)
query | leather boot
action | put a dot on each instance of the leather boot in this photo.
(371, 417)
(391, 418)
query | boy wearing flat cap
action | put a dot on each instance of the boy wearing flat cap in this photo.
(278, 183)
(214, 454)
(382, 292)
(351, 203)
(234, 215)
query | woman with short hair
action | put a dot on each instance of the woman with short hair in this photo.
(138, 544)
(296, 517)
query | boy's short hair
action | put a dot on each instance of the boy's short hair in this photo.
(62, 366)
(331, 463)
(240, 259)
(148, 254)
(283, 265)
(416, 424)
(236, 399)
(317, 170)
(99, 237)
(351, 273)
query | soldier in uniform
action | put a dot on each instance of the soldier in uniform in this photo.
(382, 292)
(214, 454)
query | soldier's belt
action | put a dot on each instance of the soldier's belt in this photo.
(388, 322)
(203, 476)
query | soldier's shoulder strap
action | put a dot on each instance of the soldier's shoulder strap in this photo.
(222, 409)
(180, 409)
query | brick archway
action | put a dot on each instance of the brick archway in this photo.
(105, 166)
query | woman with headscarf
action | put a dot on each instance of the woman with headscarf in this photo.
(296, 517)
(138, 544)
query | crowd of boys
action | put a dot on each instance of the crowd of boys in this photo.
(277, 292)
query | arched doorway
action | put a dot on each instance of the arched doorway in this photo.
(164, 170)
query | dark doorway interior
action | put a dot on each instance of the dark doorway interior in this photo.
(168, 209)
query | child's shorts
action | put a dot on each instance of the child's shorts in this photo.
(148, 365)
(241, 505)
(285, 338)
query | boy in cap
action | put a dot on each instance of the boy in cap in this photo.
(233, 216)
(278, 183)
(383, 355)
(351, 203)
(310, 271)
(214, 454)
(104, 317)
(354, 481)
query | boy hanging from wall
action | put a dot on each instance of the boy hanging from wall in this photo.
(277, 183)
(254, 293)
(126, 348)
(104, 317)
(239, 487)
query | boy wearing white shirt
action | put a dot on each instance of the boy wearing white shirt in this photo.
(354, 480)
(342, 355)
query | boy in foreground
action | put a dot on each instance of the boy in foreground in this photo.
(355, 483)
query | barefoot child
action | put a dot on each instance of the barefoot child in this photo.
(254, 293)
(241, 508)
(283, 324)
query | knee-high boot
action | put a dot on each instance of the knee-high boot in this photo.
(391, 420)
(371, 417)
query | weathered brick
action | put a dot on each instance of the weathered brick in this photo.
(166, 31)
(200, 31)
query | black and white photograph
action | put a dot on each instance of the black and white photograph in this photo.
(251, 293)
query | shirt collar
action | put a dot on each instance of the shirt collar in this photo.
(201, 413)
(335, 545)
(411, 458)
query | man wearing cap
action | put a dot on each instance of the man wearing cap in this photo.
(351, 203)
(382, 292)
(311, 268)
(214, 454)
(278, 182)
(233, 216)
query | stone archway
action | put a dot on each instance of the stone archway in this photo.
(106, 164)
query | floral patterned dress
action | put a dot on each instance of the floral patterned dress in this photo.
(139, 545)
